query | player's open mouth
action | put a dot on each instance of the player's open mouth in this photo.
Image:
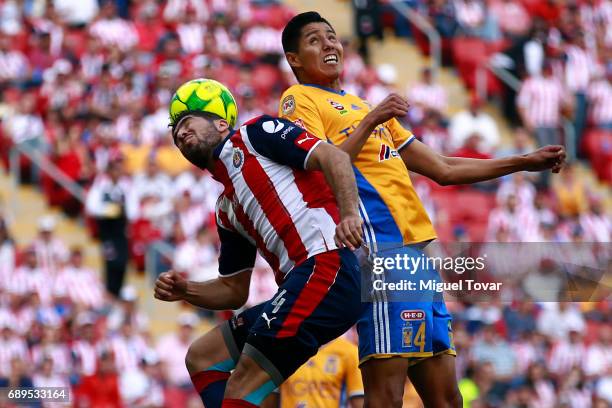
(331, 59)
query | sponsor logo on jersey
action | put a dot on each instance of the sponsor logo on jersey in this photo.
(272, 126)
(412, 315)
(237, 158)
(288, 105)
(337, 106)
(286, 131)
(355, 107)
(386, 153)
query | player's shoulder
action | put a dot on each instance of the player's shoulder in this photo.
(294, 95)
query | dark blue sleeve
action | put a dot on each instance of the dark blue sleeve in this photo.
(237, 253)
(282, 141)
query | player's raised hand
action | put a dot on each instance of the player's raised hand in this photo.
(170, 287)
(547, 157)
(349, 232)
(393, 106)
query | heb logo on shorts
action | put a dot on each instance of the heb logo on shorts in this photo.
(412, 315)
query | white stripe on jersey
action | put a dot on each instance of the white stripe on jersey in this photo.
(314, 226)
(306, 222)
(254, 212)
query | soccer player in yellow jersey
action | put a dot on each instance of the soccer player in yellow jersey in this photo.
(327, 379)
(397, 336)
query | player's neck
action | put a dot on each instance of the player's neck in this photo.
(335, 84)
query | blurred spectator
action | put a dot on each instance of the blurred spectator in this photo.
(102, 388)
(126, 309)
(574, 390)
(513, 19)
(30, 278)
(172, 349)
(76, 13)
(81, 284)
(47, 376)
(139, 389)
(599, 95)
(519, 320)
(152, 184)
(366, 24)
(128, 347)
(540, 102)
(375, 90)
(175, 9)
(11, 346)
(521, 188)
(52, 347)
(475, 20)
(491, 347)
(557, 320)
(112, 30)
(7, 250)
(51, 252)
(472, 121)
(596, 224)
(191, 215)
(14, 66)
(570, 192)
(85, 347)
(508, 217)
(426, 95)
(17, 376)
(197, 258)
(598, 359)
(26, 128)
(107, 202)
(542, 386)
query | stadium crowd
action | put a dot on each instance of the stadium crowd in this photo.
(87, 84)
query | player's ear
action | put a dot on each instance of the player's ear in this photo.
(293, 59)
(221, 125)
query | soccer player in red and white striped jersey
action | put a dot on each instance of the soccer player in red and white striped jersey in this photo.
(275, 201)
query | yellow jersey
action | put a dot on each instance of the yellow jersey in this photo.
(392, 212)
(326, 378)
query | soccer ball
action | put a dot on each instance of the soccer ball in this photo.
(203, 95)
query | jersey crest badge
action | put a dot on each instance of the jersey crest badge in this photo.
(237, 158)
(288, 105)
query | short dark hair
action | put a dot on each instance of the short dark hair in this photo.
(293, 29)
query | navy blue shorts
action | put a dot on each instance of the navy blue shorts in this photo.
(318, 301)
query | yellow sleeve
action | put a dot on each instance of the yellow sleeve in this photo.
(401, 137)
(354, 385)
(301, 110)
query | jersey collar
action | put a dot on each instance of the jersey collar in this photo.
(340, 92)
(217, 151)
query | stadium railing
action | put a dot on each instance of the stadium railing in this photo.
(46, 166)
(435, 41)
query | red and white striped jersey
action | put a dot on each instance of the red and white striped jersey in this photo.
(270, 200)
(600, 101)
(541, 99)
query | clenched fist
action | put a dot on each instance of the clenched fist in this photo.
(170, 287)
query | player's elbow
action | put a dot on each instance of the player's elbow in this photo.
(443, 175)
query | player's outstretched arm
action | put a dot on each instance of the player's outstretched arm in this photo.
(222, 293)
(419, 158)
(338, 172)
(391, 107)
